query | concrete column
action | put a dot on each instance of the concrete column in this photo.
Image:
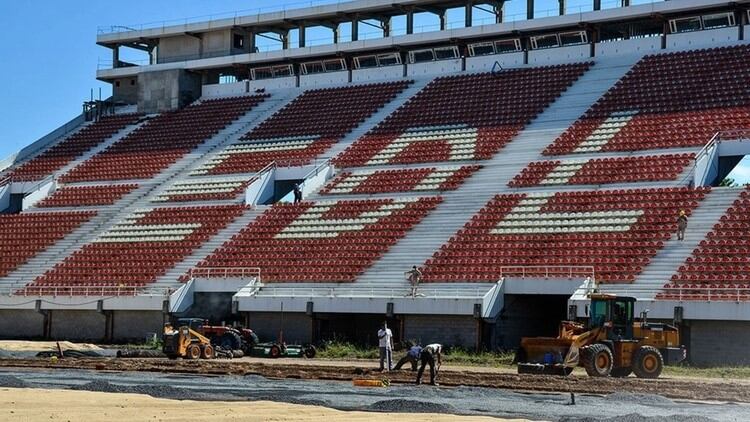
(115, 56)
(529, 9)
(336, 34)
(468, 18)
(443, 22)
(562, 7)
(284, 40)
(251, 41)
(355, 29)
(625, 3)
(410, 22)
(597, 4)
(301, 29)
(499, 13)
(386, 25)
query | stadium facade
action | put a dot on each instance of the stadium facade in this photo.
(519, 164)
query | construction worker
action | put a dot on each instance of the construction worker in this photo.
(297, 193)
(429, 354)
(682, 222)
(385, 337)
(412, 356)
(414, 276)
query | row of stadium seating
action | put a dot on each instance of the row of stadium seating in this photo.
(469, 117)
(75, 196)
(666, 101)
(220, 188)
(304, 129)
(600, 171)
(163, 140)
(141, 248)
(24, 235)
(401, 180)
(324, 241)
(589, 228)
(71, 148)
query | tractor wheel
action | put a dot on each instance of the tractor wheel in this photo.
(309, 351)
(193, 351)
(597, 359)
(647, 362)
(230, 341)
(207, 352)
(275, 351)
(621, 372)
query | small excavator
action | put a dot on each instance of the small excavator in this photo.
(610, 343)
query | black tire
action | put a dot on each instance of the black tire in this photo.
(230, 341)
(597, 360)
(275, 351)
(648, 362)
(621, 372)
(309, 351)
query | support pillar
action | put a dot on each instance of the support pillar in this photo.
(443, 22)
(355, 29)
(410, 22)
(301, 30)
(562, 7)
(284, 40)
(469, 15)
(115, 57)
(529, 9)
(597, 4)
(625, 3)
(336, 34)
(251, 42)
(109, 326)
(498, 13)
(386, 26)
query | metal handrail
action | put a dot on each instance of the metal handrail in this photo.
(710, 293)
(225, 272)
(71, 291)
(548, 271)
(374, 292)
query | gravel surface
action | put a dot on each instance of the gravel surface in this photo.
(634, 417)
(158, 391)
(410, 406)
(9, 381)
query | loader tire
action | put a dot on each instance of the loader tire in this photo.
(621, 372)
(207, 352)
(193, 351)
(597, 360)
(648, 362)
(275, 351)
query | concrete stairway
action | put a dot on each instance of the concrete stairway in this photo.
(669, 258)
(211, 245)
(458, 206)
(378, 117)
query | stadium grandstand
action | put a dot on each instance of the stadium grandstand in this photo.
(520, 164)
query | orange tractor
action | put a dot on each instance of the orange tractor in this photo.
(611, 343)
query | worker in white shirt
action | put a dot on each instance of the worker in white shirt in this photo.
(385, 337)
(429, 355)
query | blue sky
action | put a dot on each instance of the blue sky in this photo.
(50, 56)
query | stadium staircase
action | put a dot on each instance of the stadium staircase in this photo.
(673, 254)
(458, 206)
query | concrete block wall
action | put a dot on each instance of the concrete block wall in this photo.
(167, 90)
(719, 343)
(135, 325)
(297, 326)
(77, 325)
(447, 330)
(21, 324)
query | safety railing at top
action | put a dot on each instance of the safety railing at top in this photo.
(226, 272)
(710, 293)
(212, 18)
(548, 271)
(77, 291)
(375, 292)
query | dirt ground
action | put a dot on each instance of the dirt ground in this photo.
(63, 405)
(677, 388)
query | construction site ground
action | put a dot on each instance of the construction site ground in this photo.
(463, 390)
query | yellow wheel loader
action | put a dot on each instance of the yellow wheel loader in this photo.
(610, 343)
(184, 342)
